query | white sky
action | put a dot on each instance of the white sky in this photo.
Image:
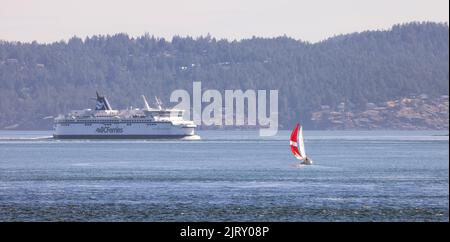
(311, 20)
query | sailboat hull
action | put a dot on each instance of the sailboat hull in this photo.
(307, 162)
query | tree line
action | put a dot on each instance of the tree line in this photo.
(39, 80)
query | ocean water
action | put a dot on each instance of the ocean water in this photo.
(226, 176)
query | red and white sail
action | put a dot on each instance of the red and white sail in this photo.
(296, 142)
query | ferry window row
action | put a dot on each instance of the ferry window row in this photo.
(105, 121)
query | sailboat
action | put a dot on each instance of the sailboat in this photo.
(298, 145)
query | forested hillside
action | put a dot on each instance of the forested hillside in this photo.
(357, 70)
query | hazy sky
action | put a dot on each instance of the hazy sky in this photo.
(312, 20)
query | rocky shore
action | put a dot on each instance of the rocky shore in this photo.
(417, 112)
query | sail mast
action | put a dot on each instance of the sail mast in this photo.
(301, 143)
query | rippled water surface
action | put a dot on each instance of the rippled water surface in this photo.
(226, 176)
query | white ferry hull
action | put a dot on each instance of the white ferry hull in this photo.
(120, 136)
(153, 130)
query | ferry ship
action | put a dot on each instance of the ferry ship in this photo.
(107, 123)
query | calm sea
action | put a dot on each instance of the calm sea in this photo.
(226, 176)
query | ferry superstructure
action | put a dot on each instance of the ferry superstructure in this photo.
(107, 123)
